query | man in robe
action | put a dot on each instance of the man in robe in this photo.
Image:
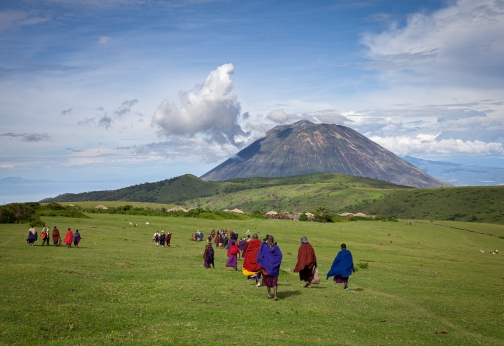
(342, 267)
(251, 269)
(306, 261)
(269, 258)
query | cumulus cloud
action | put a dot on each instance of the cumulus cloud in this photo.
(333, 118)
(278, 116)
(211, 110)
(429, 145)
(28, 137)
(461, 40)
(125, 108)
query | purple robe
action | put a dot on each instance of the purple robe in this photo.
(269, 259)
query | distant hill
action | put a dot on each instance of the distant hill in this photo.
(335, 192)
(189, 187)
(305, 147)
(460, 174)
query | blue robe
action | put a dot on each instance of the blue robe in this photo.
(342, 265)
(270, 260)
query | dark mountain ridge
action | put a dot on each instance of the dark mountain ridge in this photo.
(305, 147)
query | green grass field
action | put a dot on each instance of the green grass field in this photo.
(426, 284)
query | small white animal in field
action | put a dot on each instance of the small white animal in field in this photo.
(482, 251)
(496, 251)
(131, 224)
(135, 225)
(147, 224)
(493, 252)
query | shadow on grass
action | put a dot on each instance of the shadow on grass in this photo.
(287, 294)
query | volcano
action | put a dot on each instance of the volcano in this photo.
(305, 147)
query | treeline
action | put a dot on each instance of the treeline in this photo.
(201, 213)
(31, 212)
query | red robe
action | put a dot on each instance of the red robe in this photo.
(68, 237)
(250, 260)
(306, 258)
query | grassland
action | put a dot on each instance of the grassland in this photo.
(426, 284)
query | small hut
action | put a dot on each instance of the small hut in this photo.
(102, 207)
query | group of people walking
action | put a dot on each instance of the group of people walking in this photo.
(162, 239)
(70, 236)
(262, 259)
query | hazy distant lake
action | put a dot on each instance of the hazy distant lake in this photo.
(34, 192)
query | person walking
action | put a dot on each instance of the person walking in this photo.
(342, 267)
(76, 238)
(162, 238)
(251, 269)
(32, 236)
(269, 258)
(232, 255)
(56, 236)
(68, 238)
(208, 256)
(45, 235)
(306, 262)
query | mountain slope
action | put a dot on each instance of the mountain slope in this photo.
(305, 147)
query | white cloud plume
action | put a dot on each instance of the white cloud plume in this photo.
(211, 110)
(428, 145)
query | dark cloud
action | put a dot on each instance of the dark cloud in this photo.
(69, 110)
(105, 122)
(87, 122)
(28, 137)
(125, 108)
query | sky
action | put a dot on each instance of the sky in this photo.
(135, 91)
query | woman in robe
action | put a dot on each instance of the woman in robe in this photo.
(32, 236)
(55, 236)
(232, 255)
(162, 238)
(68, 238)
(208, 256)
(76, 238)
(269, 258)
(342, 267)
(251, 269)
(168, 239)
(306, 261)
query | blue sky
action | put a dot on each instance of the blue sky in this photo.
(138, 91)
